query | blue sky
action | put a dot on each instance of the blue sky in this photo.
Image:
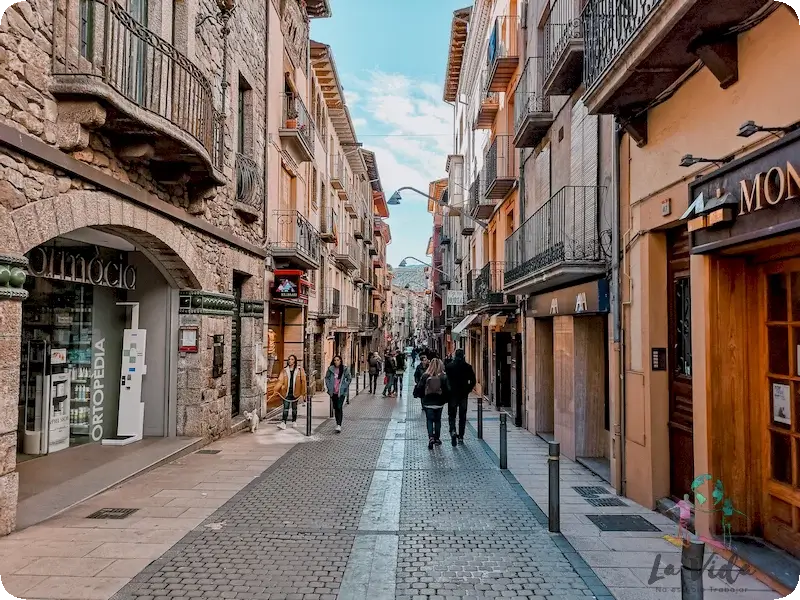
(391, 57)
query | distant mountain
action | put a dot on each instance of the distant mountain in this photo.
(413, 276)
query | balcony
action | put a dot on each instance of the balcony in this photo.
(297, 241)
(369, 322)
(636, 50)
(348, 319)
(346, 254)
(298, 131)
(367, 232)
(330, 306)
(358, 231)
(563, 48)
(158, 103)
(381, 229)
(533, 116)
(249, 200)
(338, 172)
(328, 222)
(489, 105)
(454, 314)
(466, 222)
(503, 53)
(500, 169)
(567, 240)
(485, 288)
(347, 194)
(478, 206)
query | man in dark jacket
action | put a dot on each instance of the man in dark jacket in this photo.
(461, 376)
(389, 368)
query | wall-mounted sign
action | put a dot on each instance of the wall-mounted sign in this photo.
(218, 361)
(781, 404)
(588, 298)
(188, 339)
(754, 197)
(82, 264)
(290, 284)
(666, 207)
(455, 297)
(659, 359)
(58, 356)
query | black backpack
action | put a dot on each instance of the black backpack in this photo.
(433, 386)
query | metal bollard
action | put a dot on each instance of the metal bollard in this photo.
(309, 404)
(692, 554)
(554, 485)
(480, 418)
(356, 383)
(503, 441)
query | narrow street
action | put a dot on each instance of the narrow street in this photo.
(370, 513)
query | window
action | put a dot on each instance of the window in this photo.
(243, 121)
(313, 188)
(87, 28)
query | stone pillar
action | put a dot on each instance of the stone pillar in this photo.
(12, 279)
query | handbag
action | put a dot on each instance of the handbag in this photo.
(385, 380)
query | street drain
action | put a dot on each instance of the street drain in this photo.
(590, 491)
(607, 502)
(622, 523)
(207, 452)
(112, 513)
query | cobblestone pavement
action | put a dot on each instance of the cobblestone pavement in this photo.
(372, 513)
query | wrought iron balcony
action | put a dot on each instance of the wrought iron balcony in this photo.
(358, 230)
(101, 53)
(466, 222)
(296, 240)
(330, 306)
(298, 130)
(349, 199)
(369, 322)
(454, 314)
(479, 207)
(346, 254)
(338, 171)
(367, 230)
(249, 200)
(563, 48)
(348, 319)
(503, 53)
(565, 241)
(328, 223)
(489, 104)
(500, 169)
(636, 50)
(533, 116)
(485, 288)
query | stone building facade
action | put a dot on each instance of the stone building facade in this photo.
(143, 123)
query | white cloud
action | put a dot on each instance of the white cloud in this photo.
(352, 98)
(409, 127)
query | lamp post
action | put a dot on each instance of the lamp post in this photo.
(395, 201)
(403, 263)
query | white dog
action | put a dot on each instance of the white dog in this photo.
(253, 418)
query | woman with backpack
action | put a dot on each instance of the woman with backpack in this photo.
(434, 391)
(337, 384)
(374, 371)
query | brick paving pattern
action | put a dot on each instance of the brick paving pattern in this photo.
(290, 534)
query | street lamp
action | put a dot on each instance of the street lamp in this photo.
(403, 263)
(395, 201)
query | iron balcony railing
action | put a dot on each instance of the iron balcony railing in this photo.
(295, 236)
(455, 314)
(567, 228)
(528, 97)
(487, 284)
(500, 168)
(349, 318)
(607, 26)
(475, 193)
(562, 27)
(330, 305)
(100, 40)
(367, 227)
(248, 182)
(338, 171)
(347, 254)
(503, 48)
(328, 223)
(295, 116)
(369, 321)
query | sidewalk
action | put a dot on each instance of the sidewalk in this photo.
(631, 564)
(73, 557)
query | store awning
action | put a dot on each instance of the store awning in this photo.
(498, 320)
(465, 322)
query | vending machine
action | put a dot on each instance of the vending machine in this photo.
(130, 421)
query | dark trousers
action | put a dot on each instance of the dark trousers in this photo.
(287, 404)
(373, 383)
(458, 406)
(434, 417)
(338, 402)
(391, 382)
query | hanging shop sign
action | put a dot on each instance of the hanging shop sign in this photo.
(290, 284)
(455, 297)
(754, 197)
(588, 298)
(82, 265)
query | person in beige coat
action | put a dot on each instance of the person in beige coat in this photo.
(292, 386)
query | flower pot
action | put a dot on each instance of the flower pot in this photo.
(291, 123)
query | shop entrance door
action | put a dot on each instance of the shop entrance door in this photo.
(236, 346)
(516, 381)
(502, 351)
(681, 416)
(781, 335)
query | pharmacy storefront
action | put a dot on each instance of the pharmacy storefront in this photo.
(93, 301)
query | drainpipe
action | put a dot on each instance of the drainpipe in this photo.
(522, 203)
(265, 229)
(616, 292)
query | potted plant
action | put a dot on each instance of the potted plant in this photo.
(291, 116)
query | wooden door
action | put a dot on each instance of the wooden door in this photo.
(681, 417)
(781, 400)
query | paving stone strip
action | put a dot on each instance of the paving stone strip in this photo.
(370, 513)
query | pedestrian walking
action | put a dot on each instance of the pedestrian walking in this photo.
(434, 391)
(389, 368)
(292, 386)
(413, 356)
(374, 365)
(461, 377)
(400, 372)
(423, 365)
(337, 384)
